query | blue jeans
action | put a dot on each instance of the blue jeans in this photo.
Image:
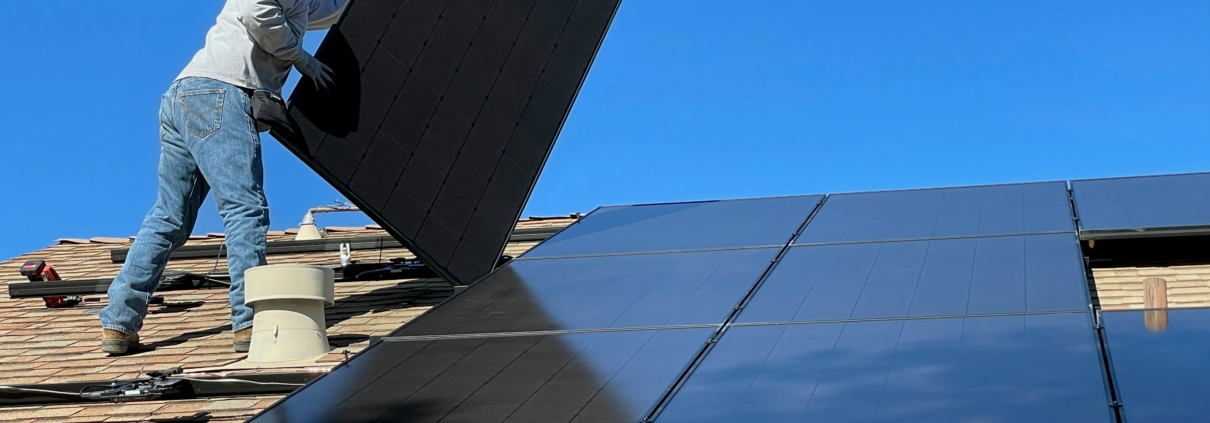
(208, 141)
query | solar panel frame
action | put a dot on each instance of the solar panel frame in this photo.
(419, 133)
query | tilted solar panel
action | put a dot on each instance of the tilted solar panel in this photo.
(443, 114)
(1143, 206)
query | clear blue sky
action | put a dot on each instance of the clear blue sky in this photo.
(687, 100)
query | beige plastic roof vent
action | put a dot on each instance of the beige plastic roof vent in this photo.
(288, 327)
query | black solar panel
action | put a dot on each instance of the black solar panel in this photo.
(965, 304)
(760, 222)
(444, 113)
(1013, 274)
(1143, 206)
(942, 213)
(1162, 372)
(1040, 368)
(601, 292)
(585, 377)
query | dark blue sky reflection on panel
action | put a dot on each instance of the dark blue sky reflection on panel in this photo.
(1041, 368)
(923, 278)
(602, 292)
(937, 213)
(1150, 202)
(1162, 375)
(682, 226)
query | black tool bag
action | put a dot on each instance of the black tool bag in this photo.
(269, 110)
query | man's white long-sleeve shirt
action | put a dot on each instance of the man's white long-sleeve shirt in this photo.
(254, 42)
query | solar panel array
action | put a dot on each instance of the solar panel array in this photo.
(1158, 356)
(594, 325)
(961, 304)
(957, 304)
(443, 113)
(1019, 368)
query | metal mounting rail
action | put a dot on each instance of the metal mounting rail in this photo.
(323, 245)
(354, 272)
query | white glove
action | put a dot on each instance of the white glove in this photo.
(320, 73)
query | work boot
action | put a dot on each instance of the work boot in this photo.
(116, 342)
(243, 340)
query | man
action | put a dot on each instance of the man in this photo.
(209, 141)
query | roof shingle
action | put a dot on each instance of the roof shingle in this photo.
(40, 345)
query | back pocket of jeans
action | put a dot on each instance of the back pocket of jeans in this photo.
(203, 111)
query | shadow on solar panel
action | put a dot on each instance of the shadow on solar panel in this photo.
(606, 377)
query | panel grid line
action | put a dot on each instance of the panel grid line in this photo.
(489, 381)
(435, 109)
(426, 147)
(646, 253)
(406, 338)
(936, 238)
(362, 71)
(905, 318)
(477, 112)
(735, 312)
(1008, 184)
(526, 106)
(821, 244)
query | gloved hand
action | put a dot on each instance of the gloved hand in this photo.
(320, 73)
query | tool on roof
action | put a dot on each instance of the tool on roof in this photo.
(397, 268)
(40, 271)
(45, 282)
